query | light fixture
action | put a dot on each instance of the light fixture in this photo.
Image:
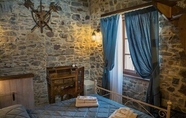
(40, 16)
(95, 34)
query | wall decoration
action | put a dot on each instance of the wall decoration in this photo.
(40, 16)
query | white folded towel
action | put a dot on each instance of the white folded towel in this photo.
(123, 113)
(86, 101)
(87, 98)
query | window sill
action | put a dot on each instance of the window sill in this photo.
(134, 77)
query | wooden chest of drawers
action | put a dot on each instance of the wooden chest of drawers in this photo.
(64, 80)
(17, 89)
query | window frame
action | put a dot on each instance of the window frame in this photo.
(127, 72)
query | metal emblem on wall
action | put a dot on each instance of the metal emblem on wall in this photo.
(40, 16)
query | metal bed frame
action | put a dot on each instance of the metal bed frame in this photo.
(162, 112)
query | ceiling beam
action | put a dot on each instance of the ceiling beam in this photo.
(168, 8)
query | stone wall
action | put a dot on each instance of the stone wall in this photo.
(135, 87)
(70, 42)
(24, 52)
(172, 63)
(172, 57)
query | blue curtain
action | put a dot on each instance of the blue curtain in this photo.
(143, 33)
(109, 27)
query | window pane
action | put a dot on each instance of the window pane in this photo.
(128, 63)
(125, 32)
(126, 47)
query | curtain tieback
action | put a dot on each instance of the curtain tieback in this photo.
(106, 63)
(155, 72)
(105, 66)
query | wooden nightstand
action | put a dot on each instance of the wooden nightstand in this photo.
(64, 80)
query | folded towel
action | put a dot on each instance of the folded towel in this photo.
(123, 113)
(87, 98)
(86, 103)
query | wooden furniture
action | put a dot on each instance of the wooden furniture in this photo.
(169, 8)
(17, 89)
(182, 30)
(64, 80)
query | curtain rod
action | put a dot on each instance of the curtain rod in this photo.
(127, 9)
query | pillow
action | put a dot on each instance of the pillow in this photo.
(14, 111)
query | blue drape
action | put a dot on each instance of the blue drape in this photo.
(142, 32)
(109, 27)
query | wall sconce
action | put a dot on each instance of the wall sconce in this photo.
(95, 34)
(41, 17)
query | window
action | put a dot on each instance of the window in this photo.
(128, 67)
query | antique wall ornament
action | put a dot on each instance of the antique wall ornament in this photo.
(40, 16)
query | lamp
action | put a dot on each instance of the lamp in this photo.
(41, 17)
(95, 33)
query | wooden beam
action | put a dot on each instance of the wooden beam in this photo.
(127, 9)
(168, 8)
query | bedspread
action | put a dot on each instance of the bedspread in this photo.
(67, 109)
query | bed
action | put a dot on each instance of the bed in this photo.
(67, 109)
